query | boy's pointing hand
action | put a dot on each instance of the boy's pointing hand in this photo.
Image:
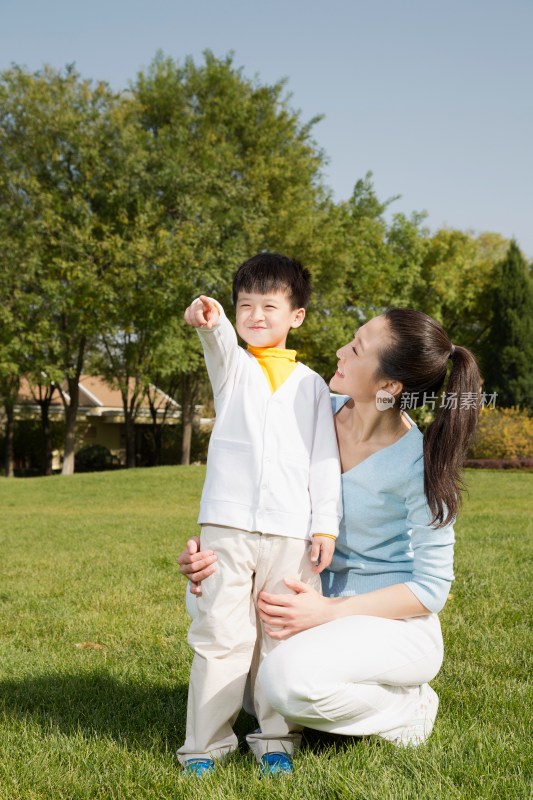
(203, 313)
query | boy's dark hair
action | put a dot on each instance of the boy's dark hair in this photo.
(272, 272)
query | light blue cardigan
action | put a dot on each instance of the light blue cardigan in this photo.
(385, 537)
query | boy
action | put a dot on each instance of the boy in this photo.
(272, 483)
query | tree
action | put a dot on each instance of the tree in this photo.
(510, 344)
(138, 203)
(139, 276)
(456, 282)
(17, 266)
(56, 130)
(234, 172)
(361, 265)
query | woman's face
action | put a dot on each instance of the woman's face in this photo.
(358, 362)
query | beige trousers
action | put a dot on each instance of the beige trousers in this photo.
(223, 635)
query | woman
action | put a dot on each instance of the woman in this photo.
(366, 650)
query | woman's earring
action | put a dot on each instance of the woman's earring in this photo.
(384, 400)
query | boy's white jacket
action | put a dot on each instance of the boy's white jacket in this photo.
(273, 463)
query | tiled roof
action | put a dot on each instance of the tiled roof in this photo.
(94, 392)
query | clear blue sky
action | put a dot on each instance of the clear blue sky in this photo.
(434, 96)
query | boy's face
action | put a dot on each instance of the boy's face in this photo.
(264, 320)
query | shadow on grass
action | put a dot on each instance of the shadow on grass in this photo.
(148, 717)
(319, 742)
(97, 704)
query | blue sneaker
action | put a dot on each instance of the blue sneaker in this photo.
(198, 766)
(276, 764)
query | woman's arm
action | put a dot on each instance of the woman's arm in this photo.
(307, 608)
(432, 547)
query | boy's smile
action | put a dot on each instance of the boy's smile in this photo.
(264, 320)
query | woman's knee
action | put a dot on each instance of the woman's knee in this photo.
(277, 680)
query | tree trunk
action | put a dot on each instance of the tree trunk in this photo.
(43, 394)
(47, 437)
(187, 417)
(130, 438)
(156, 431)
(10, 434)
(71, 414)
(70, 441)
(158, 442)
(130, 405)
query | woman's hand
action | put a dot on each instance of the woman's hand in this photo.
(292, 613)
(196, 564)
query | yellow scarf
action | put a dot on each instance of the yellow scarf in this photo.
(276, 363)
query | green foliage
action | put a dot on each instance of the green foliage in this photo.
(362, 265)
(211, 167)
(57, 139)
(510, 344)
(503, 433)
(116, 210)
(53, 129)
(456, 282)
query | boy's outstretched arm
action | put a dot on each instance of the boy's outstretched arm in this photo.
(218, 338)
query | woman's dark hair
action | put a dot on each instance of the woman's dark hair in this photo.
(417, 356)
(272, 272)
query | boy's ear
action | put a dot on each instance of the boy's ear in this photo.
(298, 318)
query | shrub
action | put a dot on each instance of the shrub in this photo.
(503, 433)
(499, 463)
(94, 458)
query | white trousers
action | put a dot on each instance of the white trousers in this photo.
(223, 635)
(358, 675)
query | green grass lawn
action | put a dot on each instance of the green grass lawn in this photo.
(90, 560)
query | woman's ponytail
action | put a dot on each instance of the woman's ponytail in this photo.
(418, 356)
(447, 439)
